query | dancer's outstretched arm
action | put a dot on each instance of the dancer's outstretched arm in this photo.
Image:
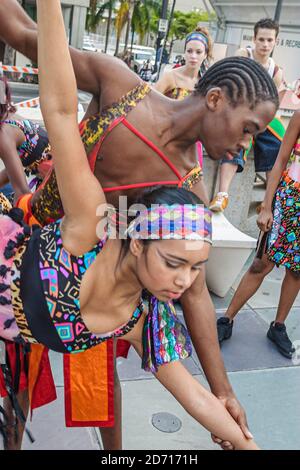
(195, 399)
(91, 69)
(58, 94)
(265, 218)
(14, 170)
(200, 317)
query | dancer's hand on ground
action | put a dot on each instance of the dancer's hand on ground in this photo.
(233, 406)
(265, 220)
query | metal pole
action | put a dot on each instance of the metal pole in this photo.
(167, 34)
(160, 35)
(278, 10)
(277, 15)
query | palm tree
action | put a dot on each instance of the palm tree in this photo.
(120, 21)
(95, 15)
(143, 13)
(110, 12)
(134, 14)
(131, 6)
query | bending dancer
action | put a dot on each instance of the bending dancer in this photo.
(279, 221)
(36, 279)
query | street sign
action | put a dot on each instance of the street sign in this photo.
(163, 25)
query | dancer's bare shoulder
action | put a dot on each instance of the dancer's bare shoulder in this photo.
(113, 76)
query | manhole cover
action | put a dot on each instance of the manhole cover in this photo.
(166, 422)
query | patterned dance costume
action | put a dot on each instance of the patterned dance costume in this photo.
(283, 247)
(94, 130)
(39, 301)
(35, 148)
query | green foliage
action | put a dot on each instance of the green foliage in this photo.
(143, 12)
(145, 16)
(95, 14)
(184, 23)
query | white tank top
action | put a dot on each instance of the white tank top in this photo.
(271, 66)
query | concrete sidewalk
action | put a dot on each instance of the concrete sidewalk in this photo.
(267, 384)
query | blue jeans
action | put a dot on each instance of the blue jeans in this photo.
(7, 190)
(238, 160)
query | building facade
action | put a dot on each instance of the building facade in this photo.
(192, 5)
(236, 19)
(74, 12)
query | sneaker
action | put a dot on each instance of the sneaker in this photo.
(277, 333)
(219, 202)
(224, 328)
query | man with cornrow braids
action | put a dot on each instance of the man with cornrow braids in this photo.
(267, 144)
(135, 138)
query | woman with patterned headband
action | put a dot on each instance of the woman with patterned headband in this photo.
(180, 82)
(52, 278)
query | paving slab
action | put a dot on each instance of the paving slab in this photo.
(271, 399)
(131, 369)
(141, 400)
(249, 348)
(50, 433)
(267, 296)
(292, 322)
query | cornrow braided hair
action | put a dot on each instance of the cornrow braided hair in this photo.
(244, 80)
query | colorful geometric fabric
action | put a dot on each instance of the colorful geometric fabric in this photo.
(283, 240)
(165, 338)
(5, 204)
(61, 275)
(35, 148)
(10, 233)
(197, 36)
(178, 93)
(177, 222)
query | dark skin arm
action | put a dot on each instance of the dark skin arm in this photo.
(91, 69)
(199, 313)
(10, 157)
(3, 178)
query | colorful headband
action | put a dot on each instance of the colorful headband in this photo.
(197, 36)
(174, 222)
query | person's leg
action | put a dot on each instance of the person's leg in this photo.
(249, 284)
(277, 331)
(289, 291)
(14, 440)
(112, 437)
(268, 176)
(227, 171)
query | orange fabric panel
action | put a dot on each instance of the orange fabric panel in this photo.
(41, 387)
(89, 386)
(24, 203)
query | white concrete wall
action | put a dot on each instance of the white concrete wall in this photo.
(286, 53)
(189, 5)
